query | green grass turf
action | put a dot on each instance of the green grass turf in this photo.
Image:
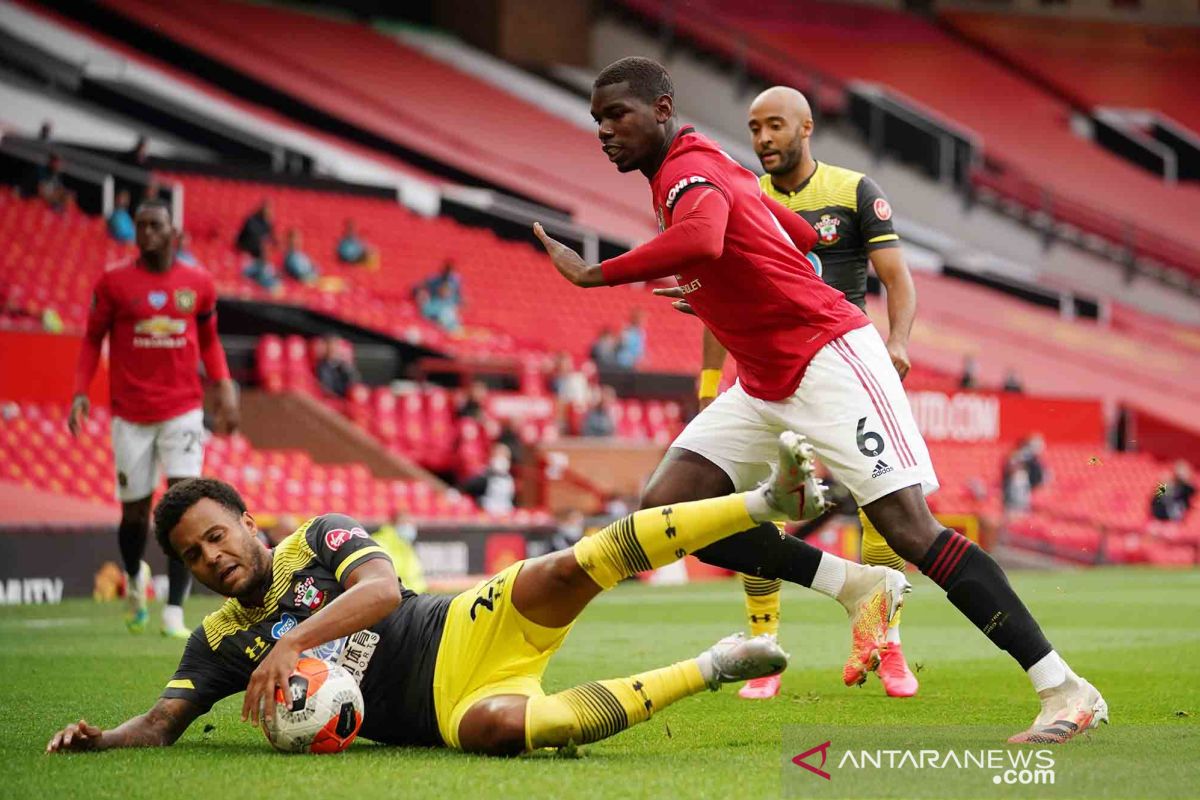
(1134, 633)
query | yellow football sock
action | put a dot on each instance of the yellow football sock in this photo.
(762, 604)
(875, 549)
(653, 537)
(595, 711)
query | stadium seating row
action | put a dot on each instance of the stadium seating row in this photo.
(422, 424)
(1091, 498)
(36, 450)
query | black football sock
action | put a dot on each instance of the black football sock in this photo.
(179, 580)
(765, 552)
(978, 588)
(131, 539)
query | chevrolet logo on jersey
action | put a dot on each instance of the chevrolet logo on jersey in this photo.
(160, 332)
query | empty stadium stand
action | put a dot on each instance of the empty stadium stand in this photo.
(355, 74)
(1094, 62)
(1031, 155)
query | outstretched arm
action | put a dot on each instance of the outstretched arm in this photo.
(98, 323)
(217, 367)
(372, 592)
(697, 233)
(164, 723)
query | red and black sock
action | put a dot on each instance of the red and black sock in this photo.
(978, 588)
(764, 552)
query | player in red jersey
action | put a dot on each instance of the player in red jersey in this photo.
(807, 360)
(160, 317)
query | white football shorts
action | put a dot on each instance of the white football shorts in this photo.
(850, 405)
(175, 445)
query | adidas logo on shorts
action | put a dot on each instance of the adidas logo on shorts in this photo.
(881, 468)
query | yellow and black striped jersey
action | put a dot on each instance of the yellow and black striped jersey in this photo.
(393, 660)
(852, 217)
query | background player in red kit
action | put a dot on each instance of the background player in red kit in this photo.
(160, 317)
(807, 360)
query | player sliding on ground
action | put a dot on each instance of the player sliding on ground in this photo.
(809, 361)
(463, 672)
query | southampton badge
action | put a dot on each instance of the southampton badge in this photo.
(827, 229)
(185, 300)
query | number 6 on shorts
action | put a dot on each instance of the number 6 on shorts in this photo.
(869, 442)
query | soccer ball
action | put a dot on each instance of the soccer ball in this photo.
(322, 713)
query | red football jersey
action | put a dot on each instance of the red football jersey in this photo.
(760, 297)
(152, 321)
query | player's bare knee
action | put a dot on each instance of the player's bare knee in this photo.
(494, 726)
(562, 570)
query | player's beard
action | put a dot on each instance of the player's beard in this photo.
(789, 159)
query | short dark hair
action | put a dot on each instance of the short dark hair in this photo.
(648, 79)
(185, 494)
(151, 203)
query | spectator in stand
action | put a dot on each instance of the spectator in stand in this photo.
(571, 390)
(296, 263)
(1017, 487)
(604, 350)
(256, 235)
(1012, 382)
(397, 539)
(1172, 499)
(50, 185)
(600, 419)
(494, 488)
(970, 374)
(261, 272)
(351, 249)
(1185, 488)
(46, 132)
(1031, 457)
(449, 279)
(632, 344)
(258, 232)
(439, 308)
(474, 405)
(120, 223)
(511, 438)
(334, 367)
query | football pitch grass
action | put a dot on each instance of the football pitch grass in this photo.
(1134, 633)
